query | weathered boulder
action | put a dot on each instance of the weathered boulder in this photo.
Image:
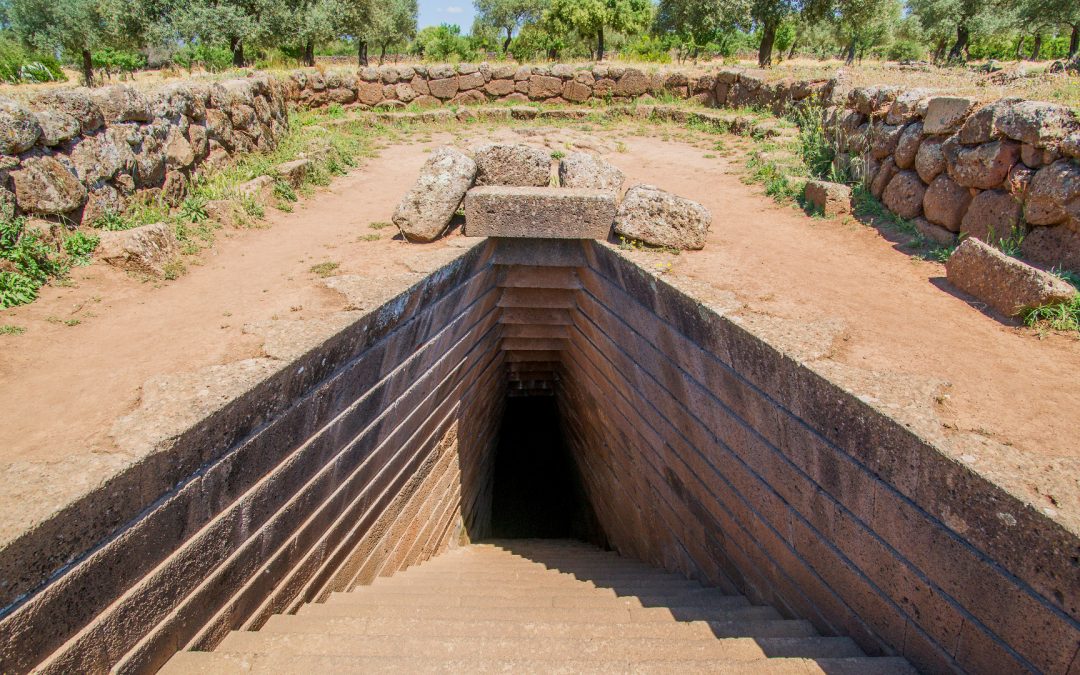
(1005, 284)
(56, 127)
(295, 171)
(145, 250)
(907, 146)
(632, 82)
(883, 139)
(984, 166)
(499, 87)
(445, 88)
(1036, 123)
(582, 170)
(101, 202)
(544, 86)
(929, 159)
(909, 105)
(74, 102)
(660, 218)
(506, 164)
(904, 194)
(991, 216)
(178, 151)
(1054, 194)
(945, 114)
(935, 233)
(879, 178)
(831, 199)
(945, 203)
(1057, 246)
(19, 128)
(120, 103)
(43, 186)
(981, 126)
(425, 211)
(550, 213)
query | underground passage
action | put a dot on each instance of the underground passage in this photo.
(543, 433)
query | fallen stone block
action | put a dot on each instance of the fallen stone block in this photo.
(831, 198)
(659, 218)
(295, 171)
(509, 164)
(582, 170)
(1006, 284)
(425, 211)
(548, 213)
(146, 250)
(258, 189)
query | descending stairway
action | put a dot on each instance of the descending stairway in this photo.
(534, 606)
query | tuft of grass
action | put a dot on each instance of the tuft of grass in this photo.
(193, 209)
(869, 206)
(9, 329)
(112, 221)
(1063, 316)
(368, 237)
(174, 269)
(378, 225)
(557, 155)
(324, 269)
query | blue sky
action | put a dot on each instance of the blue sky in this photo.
(434, 12)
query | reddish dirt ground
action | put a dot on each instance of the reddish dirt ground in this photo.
(832, 292)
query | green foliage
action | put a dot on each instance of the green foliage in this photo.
(118, 61)
(905, 50)
(1063, 316)
(443, 43)
(9, 329)
(80, 246)
(591, 18)
(213, 58)
(112, 222)
(28, 261)
(19, 64)
(508, 15)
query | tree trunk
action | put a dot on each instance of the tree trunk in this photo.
(791, 52)
(768, 36)
(361, 53)
(1036, 48)
(1019, 48)
(382, 53)
(1074, 41)
(850, 59)
(506, 42)
(87, 68)
(309, 54)
(236, 45)
(959, 48)
(939, 53)
(600, 44)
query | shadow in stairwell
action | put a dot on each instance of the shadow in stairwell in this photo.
(727, 616)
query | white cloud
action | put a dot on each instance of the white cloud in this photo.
(453, 9)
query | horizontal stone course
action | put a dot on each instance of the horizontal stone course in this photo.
(538, 212)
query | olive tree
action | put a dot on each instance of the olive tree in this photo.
(591, 18)
(509, 15)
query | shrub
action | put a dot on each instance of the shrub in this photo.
(80, 246)
(29, 261)
(905, 50)
(213, 58)
(18, 64)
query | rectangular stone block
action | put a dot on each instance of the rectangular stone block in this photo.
(539, 212)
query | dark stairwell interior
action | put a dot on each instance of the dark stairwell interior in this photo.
(537, 491)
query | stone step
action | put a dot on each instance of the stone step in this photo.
(212, 663)
(530, 276)
(547, 298)
(684, 630)
(705, 599)
(552, 613)
(533, 344)
(541, 648)
(647, 586)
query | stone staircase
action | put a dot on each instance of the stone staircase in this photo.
(534, 606)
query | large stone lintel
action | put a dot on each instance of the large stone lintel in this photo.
(539, 212)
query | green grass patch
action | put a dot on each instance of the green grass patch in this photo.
(1063, 316)
(324, 269)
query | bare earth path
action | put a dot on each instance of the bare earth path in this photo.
(831, 292)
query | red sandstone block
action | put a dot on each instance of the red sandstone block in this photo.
(538, 212)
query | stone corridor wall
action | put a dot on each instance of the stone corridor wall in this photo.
(368, 454)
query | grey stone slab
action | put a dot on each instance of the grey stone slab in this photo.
(534, 212)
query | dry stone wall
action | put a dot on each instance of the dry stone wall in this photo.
(78, 154)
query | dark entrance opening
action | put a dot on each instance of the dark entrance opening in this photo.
(537, 491)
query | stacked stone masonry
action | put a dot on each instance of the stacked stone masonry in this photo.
(993, 170)
(702, 449)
